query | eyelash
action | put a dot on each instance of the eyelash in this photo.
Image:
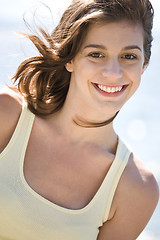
(96, 55)
(130, 57)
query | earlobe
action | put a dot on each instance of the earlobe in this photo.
(69, 66)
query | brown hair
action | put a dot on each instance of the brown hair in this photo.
(43, 80)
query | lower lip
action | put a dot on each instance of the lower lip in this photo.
(106, 94)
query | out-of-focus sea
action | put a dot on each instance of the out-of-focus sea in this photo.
(138, 122)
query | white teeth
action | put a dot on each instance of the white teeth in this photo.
(110, 89)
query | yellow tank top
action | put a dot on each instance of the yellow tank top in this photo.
(25, 215)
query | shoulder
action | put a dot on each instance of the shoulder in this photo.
(134, 203)
(10, 109)
(138, 190)
(141, 181)
(139, 193)
(8, 94)
(10, 102)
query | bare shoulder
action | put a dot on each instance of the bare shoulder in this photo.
(137, 174)
(10, 97)
(10, 109)
(141, 181)
(135, 201)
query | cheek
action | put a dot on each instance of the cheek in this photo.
(86, 72)
(134, 76)
(136, 81)
(136, 73)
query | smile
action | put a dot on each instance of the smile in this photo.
(110, 89)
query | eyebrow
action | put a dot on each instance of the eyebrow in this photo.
(104, 48)
(95, 46)
(132, 47)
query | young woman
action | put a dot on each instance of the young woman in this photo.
(64, 172)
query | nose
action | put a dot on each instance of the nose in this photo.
(112, 69)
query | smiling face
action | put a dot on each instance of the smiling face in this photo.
(107, 70)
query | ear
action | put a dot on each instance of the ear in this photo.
(69, 66)
(144, 67)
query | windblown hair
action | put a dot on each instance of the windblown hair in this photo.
(43, 80)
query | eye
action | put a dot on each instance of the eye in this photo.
(129, 57)
(96, 55)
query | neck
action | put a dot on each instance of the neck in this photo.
(103, 137)
(83, 123)
(64, 122)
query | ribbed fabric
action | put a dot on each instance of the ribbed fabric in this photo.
(25, 215)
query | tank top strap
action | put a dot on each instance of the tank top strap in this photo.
(22, 131)
(115, 173)
(25, 123)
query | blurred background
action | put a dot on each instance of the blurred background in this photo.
(138, 122)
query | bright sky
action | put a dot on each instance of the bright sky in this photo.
(16, 8)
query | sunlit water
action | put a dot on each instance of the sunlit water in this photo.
(138, 122)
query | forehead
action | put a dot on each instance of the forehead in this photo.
(114, 33)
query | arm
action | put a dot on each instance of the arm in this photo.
(135, 200)
(10, 109)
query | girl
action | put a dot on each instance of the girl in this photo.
(64, 172)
